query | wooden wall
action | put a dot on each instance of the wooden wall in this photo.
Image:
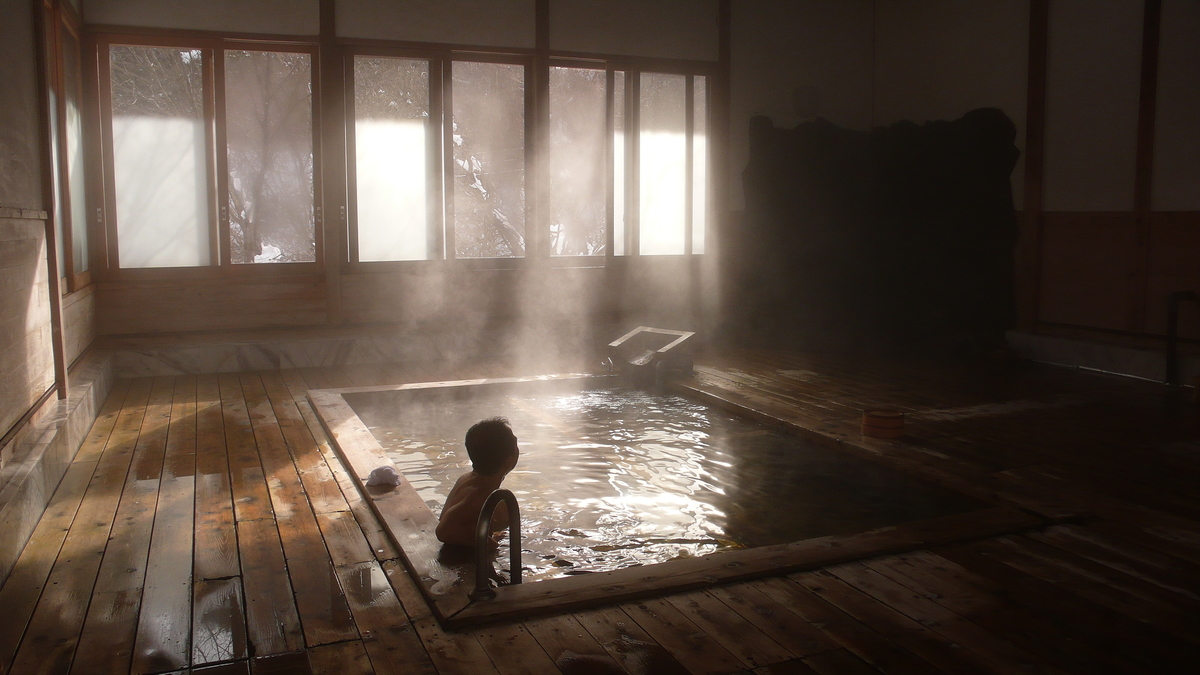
(26, 356)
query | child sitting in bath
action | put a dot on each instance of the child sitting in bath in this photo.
(493, 450)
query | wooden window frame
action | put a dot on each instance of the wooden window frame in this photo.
(58, 16)
(213, 48)
(441, 190)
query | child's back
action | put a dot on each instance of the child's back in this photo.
(493, 449)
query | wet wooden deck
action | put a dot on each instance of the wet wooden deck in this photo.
(207, 525)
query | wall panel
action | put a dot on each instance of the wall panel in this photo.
(822, 46)
(1092, 86)
(209, 304)
(677, 29)
(285, 17)
(1086, 269)
(1177, 139)
(1174, 265)
(490, 23)
(939, 59)
(26, 356)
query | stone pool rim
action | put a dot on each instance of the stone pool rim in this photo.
(410, 523)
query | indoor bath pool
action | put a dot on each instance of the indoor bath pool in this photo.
(625, 493)
(611, 478)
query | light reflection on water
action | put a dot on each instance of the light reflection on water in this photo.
(612, 478)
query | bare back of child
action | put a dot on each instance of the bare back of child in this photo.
(493, 450)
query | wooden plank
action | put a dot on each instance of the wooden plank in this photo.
(838, 662)
(377, 538)
(1115, 590)
(979, 600)
(1121, 635)
(345, 540)
(251, 501)
(388, 636)
(342, 658)
(164, 623)
(569, 645)
(215, 537)
(450, 651)
(627, 643)
(514, 651)
(681, 637)
(319, 484)
(773, 619)
(218, 621)
(727, 566)
(106, 643)
(53, 631)
(21, 590)
(323, 612)
(902, 630)
(295, 663)
(272, 622)
(1171, 573)
(844, 629)
(729, 629)
(996, 651)
(789, 667)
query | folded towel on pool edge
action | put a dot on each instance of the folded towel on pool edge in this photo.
(384, 475)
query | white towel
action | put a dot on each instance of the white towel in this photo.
(384, 475)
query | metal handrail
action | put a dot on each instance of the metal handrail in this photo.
(483, 532)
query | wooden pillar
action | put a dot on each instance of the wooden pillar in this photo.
(1029, 247)
(1144, 171)
(332, 223)
(44, 44)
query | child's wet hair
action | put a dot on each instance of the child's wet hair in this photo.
(488, 444)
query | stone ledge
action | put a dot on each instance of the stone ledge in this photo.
(43, 453)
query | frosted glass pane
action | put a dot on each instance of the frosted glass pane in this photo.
(77, 188)
(619, 224)
(699, 163)
(56, 183)
(391, 122)
(662, 152)
(158, 153)
(489, 160)
(577, 199)
(268, 108)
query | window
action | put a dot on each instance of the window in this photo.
(203, 177)
(577, 200)
(269, 150)
(159, 162)
(487, 136)
(392, 140)
(438, 160)
(67, 162)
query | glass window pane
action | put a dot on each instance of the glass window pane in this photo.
(619, 224)
(578, 197)
(55, 162)
(268, 110)
(699, 163)
(159, 156)
(489, 160)
(663, 155)
(74, 140)
(391, 132)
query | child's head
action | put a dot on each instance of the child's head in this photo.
(492, 446)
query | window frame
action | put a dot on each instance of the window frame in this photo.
(537, 235)
(216, 152)
(59, 17)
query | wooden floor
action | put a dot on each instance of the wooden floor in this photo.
(206, 525)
